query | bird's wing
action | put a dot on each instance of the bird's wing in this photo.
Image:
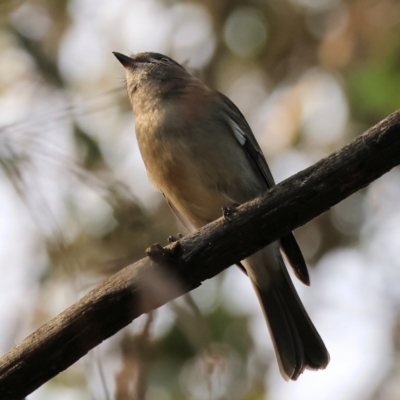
(244, 135)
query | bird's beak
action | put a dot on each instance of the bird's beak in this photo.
(124, 60)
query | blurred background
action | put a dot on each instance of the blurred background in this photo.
(76, 205)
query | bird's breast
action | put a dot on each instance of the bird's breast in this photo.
(196, 163)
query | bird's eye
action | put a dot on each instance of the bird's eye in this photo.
(165, 60)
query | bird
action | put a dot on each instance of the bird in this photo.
(200, 152)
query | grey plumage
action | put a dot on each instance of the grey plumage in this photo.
(200, 152)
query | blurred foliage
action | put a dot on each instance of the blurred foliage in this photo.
(283, 46)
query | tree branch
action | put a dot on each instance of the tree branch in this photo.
(182, 266)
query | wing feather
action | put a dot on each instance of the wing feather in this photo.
(245, 137)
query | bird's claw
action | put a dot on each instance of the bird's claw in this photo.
(227, 212)
(172, 239)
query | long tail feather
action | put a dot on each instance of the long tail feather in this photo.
(296, 341)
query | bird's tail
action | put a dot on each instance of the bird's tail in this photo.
(296, 341)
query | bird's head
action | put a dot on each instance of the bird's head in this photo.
(151, 78)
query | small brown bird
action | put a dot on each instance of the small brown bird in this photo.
(200, 152)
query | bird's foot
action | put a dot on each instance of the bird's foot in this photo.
(227, 212)
(172, 239)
